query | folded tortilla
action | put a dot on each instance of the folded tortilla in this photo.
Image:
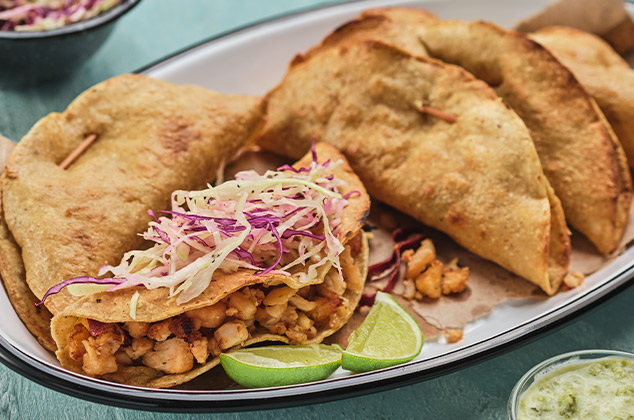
(608, 19)
(578, 149)
(377, 27)
(602, 72)
(153, 137)
(234, 311)
(37, 319)
(478, 179)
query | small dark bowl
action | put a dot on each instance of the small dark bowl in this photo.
(36, 56)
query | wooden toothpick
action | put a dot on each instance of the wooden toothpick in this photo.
(450, 118)
(83, 146)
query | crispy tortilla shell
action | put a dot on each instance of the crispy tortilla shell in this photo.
(602, 72)
(359, 30)
(37, 319)
(153, 137)
(579, 151)
(478, 179)
(608, 19)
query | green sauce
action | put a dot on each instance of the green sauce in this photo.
(595, 390)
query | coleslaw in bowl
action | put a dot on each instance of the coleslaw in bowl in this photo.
(42, 15)
(47, 43)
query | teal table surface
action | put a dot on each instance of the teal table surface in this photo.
(159, 27)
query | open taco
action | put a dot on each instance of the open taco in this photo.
(152, 137)
(276, 257)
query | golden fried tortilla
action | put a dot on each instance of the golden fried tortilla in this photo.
(580, 153)
(608, 19)
(362, 29)
(153, 137)
(37, 319)
(478, 179)
(602, 72)
(334, 302)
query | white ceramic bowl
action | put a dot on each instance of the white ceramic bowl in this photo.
(551, 364)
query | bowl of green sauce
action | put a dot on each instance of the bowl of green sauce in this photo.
(586, 384)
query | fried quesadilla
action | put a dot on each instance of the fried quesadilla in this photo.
(602, 72)
(579, 152)
(279, 257)
(153, 137)
(434, 142)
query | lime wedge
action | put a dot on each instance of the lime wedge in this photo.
(388, 336)
(281, 365)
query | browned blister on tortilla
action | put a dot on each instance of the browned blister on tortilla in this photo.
(580, 153)
(153, 137)
(602, 72)
(478, 179)
(311, 311)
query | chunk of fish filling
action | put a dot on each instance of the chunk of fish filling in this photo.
(176, 344)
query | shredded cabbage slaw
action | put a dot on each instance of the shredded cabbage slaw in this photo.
(41, 15)
(283, 222)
